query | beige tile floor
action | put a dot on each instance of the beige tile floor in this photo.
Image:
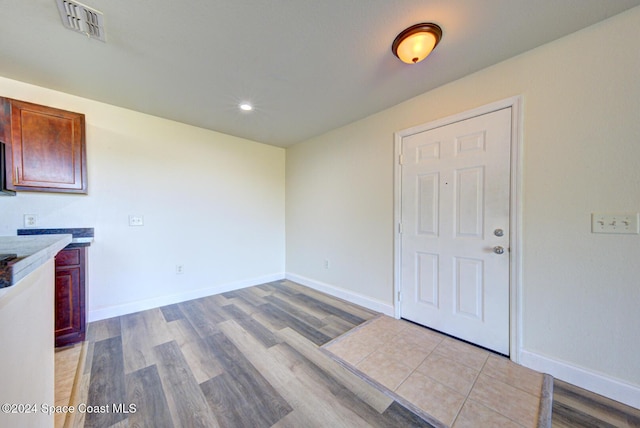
(458, 384)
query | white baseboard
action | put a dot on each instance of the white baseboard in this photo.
(156, 302)
(592, 381)
(341, 293)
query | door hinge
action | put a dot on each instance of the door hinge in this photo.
(400, 228)
(399, 296)
(400, 159)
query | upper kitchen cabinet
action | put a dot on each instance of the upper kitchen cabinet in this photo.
(46, 148)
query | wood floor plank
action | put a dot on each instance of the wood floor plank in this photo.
(356, 310)
(290, 321)
(585, 405)
(258, 330)
(258, 291)
(365, 391)
(172, 312)
(182, 332)
(297, 419)
(286, 287)
(204, 323)
(312, 302)
(220, 300)
(291, 299)
(563, 414)
(335, 326)
(265, 287)
(103, 329)
(328, 382)
(400, 416)
(265, 400)
(296, 311)
(213, 309)
(145, 391)
(201, 360)
(186, 401)
(141, 331)
(243, 305)
(235, 407)
(107, 382)
(249, 297)
(313, 402)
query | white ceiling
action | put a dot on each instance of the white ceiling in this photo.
(308, 66)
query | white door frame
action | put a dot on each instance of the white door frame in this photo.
(515, 244)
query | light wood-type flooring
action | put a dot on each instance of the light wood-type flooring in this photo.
(247, 358)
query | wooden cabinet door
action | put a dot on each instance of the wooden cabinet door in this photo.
(70, 296)
(48, 149)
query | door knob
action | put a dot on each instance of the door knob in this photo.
(498, 249)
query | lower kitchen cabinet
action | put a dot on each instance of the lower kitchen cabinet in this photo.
(70, 312)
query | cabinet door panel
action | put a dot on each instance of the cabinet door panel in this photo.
(70, 318)
(68, 257)
(67, 301)
(48, 149)
(67, 293)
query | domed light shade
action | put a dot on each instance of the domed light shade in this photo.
(416, 42)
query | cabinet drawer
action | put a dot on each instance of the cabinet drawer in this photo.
(68, 257)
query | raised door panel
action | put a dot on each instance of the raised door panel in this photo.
(67, 301)
(48, 149)
(70, 318)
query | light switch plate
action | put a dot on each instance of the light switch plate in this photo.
(625, 223)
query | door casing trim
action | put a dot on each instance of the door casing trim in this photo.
(515, 205)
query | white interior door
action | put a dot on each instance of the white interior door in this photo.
(454, 249)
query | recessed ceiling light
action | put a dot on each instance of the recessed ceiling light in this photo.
(246, 107)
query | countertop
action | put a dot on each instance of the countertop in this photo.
(30, 252)
(81, 236)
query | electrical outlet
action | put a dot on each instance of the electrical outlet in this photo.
(30, 220)
(179, 269)
(136, 220)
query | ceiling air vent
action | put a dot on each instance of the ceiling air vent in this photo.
(78, 17)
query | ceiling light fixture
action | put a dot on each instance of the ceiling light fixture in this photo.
(416, 42)
(246, 107)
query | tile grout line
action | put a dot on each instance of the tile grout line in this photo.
(470, 390)
(434, 351)
(392, 394)
(512, 386)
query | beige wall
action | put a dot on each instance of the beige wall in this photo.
(27, 361)
(211, 202)
(216, 204)
(581, 140)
